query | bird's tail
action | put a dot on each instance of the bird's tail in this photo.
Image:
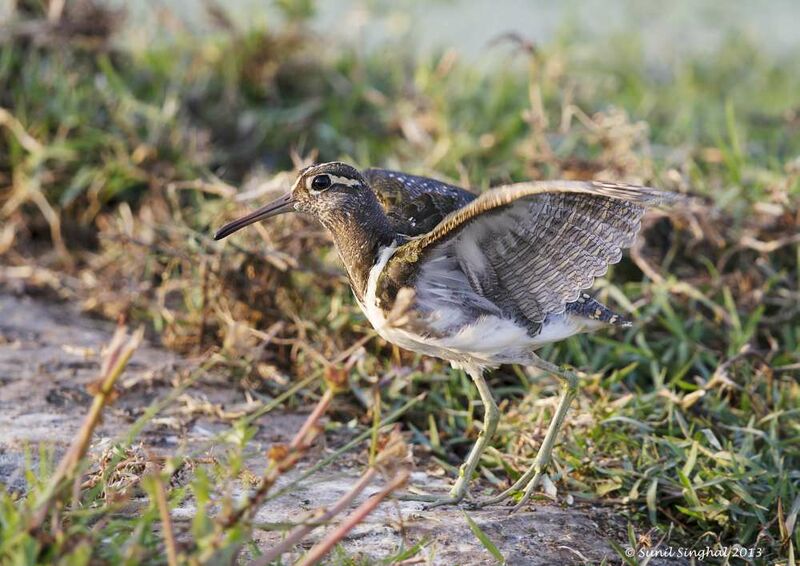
(588, 308)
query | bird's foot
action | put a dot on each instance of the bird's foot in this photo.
(530, 486)
(433, 501)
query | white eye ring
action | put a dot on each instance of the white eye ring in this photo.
(332, 179)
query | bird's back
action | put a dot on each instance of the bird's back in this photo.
(413, 204)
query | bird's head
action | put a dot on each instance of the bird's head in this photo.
(325, 190)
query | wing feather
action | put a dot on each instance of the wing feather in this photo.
(540, 244)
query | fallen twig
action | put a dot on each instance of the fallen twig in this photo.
(349, 446)
(356, 517)
(320, 517)
(393, 454)
(282, 459)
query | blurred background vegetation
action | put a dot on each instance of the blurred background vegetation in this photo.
(129, 131)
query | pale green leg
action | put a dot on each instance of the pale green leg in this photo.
(530, 479)
(490, 419)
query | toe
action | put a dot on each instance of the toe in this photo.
(442, 502)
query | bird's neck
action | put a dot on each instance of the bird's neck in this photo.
(359, 232)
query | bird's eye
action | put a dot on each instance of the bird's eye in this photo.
(321, 182)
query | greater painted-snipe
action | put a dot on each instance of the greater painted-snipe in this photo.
(476, 280)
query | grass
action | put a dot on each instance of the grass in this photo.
(115, 166)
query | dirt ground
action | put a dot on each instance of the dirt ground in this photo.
(48, 353)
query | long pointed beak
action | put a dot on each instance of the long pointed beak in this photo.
(276, 207)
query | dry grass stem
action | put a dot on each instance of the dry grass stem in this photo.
(116, 357)
(167, 530)
(320, 517)
(282, 459)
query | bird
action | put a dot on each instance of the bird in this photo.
(478, 280)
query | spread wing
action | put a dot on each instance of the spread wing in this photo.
(415, 205)
(531, 247)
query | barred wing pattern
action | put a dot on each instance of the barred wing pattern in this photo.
(415, 205)
(531, 248)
